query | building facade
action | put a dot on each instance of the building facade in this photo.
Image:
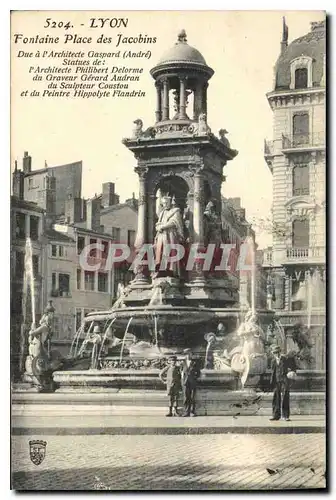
(296, 158)
(27, 221)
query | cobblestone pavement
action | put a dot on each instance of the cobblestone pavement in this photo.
(177, 462)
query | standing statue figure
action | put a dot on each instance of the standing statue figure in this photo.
(169, 231)
(213, 225)
(38, 361)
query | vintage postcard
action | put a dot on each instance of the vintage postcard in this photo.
(168, 250)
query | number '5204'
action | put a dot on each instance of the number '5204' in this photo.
(49, 23)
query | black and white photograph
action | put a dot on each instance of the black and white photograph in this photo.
(168, 250)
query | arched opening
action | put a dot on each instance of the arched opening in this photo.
(173, 186)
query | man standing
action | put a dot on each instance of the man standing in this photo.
(171, 376)
(190, 373)
(283, 371)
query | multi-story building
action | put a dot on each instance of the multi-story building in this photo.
(49, 187)
(27, 221)
(296, 158)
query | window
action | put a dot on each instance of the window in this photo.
(35, 265)
(64, 284)
(89, 279)
(116, 233)
(54, 291)
(80, 244)
(93, 252)
(301, 78)
(20, 223)
(130, 238)
(301, 233)
(300, 180)
(30, 183)
(102, 282)
(34, 227)
(19, 265)
(106, 249)
(61, 251)
(54, 250)
(301, 129)
(79, 279)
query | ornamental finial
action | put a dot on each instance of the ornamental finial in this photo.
(182, 36)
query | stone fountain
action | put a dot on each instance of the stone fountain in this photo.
(176, 296)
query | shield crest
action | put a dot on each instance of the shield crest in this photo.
(37, 451)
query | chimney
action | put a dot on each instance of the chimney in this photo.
(133, 202)
(93, 214)
(284, 41)
(26, 163)
(108, 194)
(73, 210)
(18, 183)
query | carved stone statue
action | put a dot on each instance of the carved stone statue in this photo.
(203, 127)
(187, 221)
(213, 225)
(249, 357)
(169, 230)
(222, 133)
(39, 361)
(138, 131)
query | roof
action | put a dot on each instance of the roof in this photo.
(25, 205)
(112, 208)
(181, 56)
(313, 45)
(53, 235)
(182, 52)
(50, 168)
(83, 229)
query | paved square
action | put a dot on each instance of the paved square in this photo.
(171, 462)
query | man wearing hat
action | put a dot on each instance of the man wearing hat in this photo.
(171, 376)
(283, 371)
(190, 373)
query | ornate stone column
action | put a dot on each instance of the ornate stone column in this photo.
(204, 98)
(165, 100)
(141, 273)
(183, 104)
(158, 112)
(142, 207)
(198, 225)
(151, 210)
(197, 102)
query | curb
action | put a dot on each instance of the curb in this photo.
(138, 431)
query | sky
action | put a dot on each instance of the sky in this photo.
(242, 48)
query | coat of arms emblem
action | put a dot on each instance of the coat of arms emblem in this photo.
(37, 451)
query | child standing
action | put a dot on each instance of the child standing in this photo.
(171, 376)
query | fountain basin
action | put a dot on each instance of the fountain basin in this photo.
(165, 314)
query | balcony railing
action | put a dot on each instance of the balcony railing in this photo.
(301, 141)
(307, 253)
(268, 258)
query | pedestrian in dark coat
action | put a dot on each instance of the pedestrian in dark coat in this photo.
(283, 372)
(171, 376)
(190, 374)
